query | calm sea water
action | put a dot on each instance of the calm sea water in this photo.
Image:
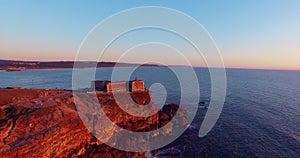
(260, 118)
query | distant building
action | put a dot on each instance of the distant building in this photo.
(100, 85)
(136, 85)
(108, 86)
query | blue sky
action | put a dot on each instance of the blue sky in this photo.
(251, 34)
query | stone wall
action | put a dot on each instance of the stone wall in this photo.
(108, 86)
(117, 87)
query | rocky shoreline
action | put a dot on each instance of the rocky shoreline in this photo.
(45, 123)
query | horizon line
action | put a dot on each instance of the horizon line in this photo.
(226, 67)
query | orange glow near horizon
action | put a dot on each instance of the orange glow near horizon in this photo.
(280, 58)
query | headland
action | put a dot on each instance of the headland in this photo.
(45, 123)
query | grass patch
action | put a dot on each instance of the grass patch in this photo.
(7, 95)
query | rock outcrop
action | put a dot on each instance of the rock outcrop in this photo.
(45, 123)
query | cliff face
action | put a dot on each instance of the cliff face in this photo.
(48, 125)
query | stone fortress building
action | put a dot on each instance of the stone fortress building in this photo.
(123, 86)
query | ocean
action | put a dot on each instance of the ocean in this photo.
(260, 117)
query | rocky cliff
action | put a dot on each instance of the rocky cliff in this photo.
(45, 123)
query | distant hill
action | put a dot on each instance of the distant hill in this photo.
(12, 65)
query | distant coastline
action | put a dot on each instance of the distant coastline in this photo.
(15, 65)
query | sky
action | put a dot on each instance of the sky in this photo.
(249, 34)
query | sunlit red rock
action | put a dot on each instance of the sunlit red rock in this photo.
(45, 123)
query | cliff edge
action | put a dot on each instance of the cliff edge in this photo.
(45, 123)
